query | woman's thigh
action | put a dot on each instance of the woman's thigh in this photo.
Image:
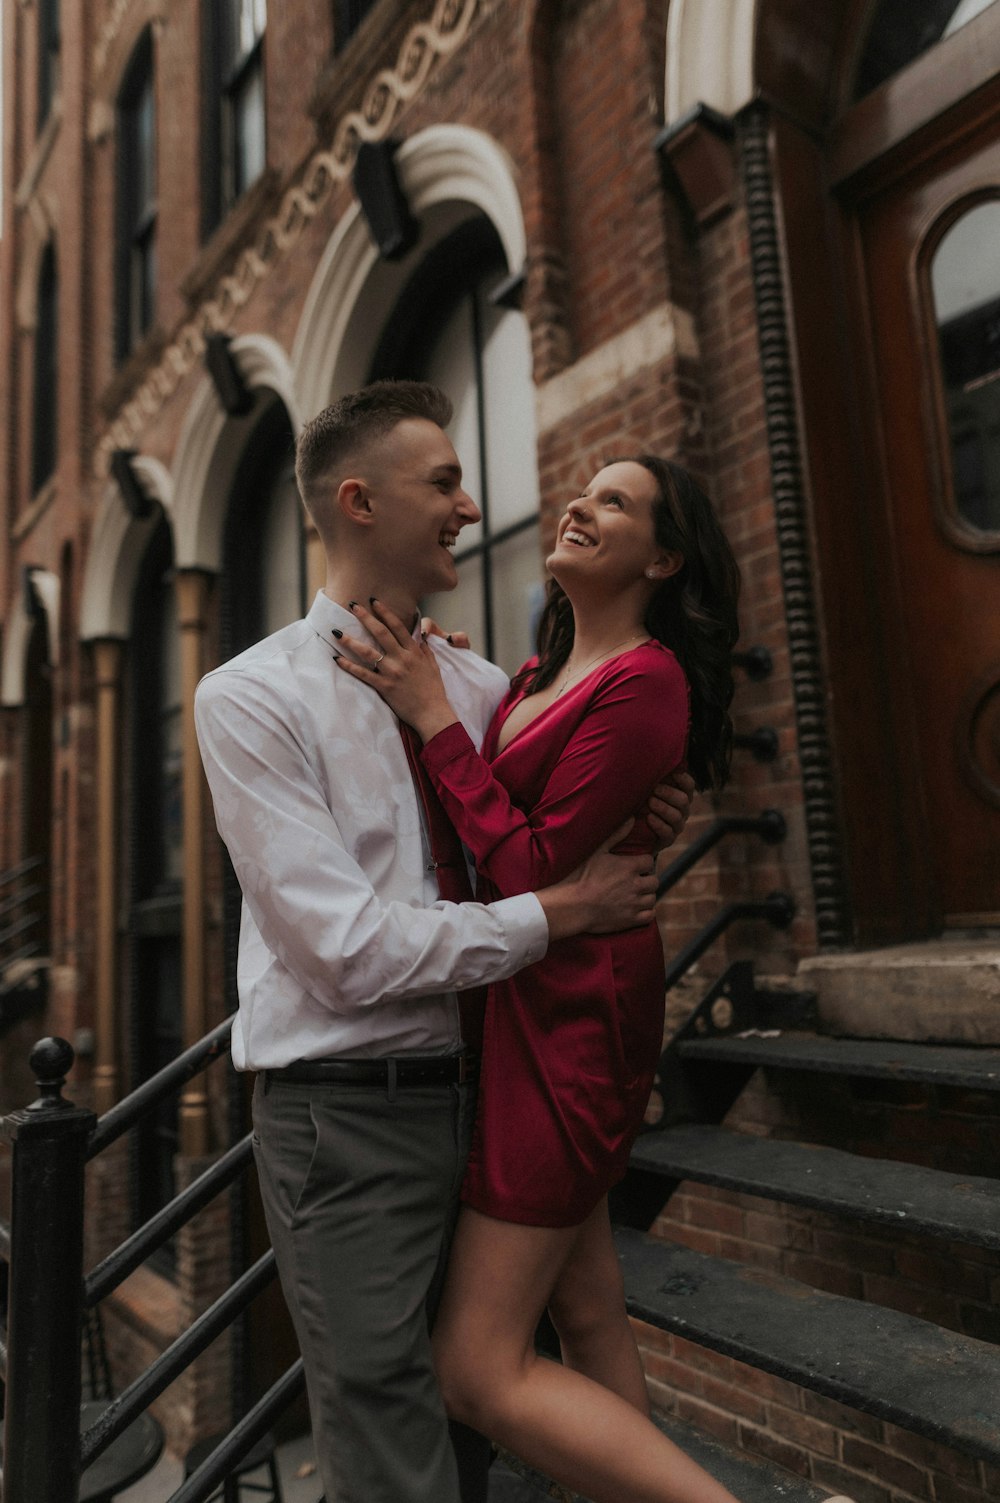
(500, 1277)
(589, 1289)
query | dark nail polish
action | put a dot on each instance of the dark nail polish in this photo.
(337, 634)
(351, 604)
(449, 639)
(372, 600)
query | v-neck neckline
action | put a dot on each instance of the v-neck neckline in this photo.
(560, 698)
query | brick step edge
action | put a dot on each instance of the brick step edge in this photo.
(869, 1357)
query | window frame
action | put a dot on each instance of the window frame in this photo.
(222, 82)
(136, 222)
(458, 267)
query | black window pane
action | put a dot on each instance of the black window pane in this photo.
(48, 57)
(45, 407)
(136, 250)
(349, 16)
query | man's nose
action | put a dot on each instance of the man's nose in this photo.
(468, 509)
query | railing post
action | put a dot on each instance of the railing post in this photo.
(41, 1455)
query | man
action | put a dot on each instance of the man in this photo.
(350, 962)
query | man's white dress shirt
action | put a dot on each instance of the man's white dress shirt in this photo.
(345, 947)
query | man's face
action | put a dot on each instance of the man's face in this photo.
(419, 508)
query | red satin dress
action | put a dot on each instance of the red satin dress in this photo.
(571, 1043)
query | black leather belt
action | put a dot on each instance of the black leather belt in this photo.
(398, 1070)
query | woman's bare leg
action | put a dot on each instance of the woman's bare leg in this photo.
(500, 1277)
(587, 1308)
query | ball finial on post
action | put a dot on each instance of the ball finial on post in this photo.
(51, 1059)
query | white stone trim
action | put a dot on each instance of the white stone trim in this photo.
(211, 446)
(446, 171)
(117, 545)
(710, 55)
(18, 634)
(663, 332)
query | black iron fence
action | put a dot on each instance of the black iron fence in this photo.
(51, 1141)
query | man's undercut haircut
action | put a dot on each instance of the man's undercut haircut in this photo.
(349, 425)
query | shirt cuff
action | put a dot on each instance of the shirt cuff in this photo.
(525, 926)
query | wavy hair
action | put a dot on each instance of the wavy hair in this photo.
(693, 612)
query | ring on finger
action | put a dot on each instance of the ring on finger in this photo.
(377, 661)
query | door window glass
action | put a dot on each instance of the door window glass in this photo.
(965, 283)
(903, 29)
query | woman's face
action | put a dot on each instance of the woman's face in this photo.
(605, 535)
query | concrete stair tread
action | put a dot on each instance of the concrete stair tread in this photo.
(934, 1064)
(935, 1382)
(749, 1478)
(909, 1197)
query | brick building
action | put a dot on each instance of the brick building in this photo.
(760, 235)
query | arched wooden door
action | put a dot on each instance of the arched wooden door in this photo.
(886, 152)
(930, 249)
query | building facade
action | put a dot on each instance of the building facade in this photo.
(760, 236)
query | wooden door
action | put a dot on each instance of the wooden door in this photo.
(930, 265)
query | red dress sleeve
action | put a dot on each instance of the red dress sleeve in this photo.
(632, 734)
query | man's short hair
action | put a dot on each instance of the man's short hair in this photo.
(352, 423)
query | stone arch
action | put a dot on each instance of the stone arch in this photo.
(117, 545)
(111, 57)
(710, 55)
(20, 625)
(445, 170)
(210, 447)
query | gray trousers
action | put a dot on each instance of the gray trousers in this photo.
(360, 1194)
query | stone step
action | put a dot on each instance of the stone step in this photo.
(957, 1207)
(928, 1380)
(934, 1064)
(749, 1478)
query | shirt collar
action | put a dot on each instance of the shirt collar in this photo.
(325, 614)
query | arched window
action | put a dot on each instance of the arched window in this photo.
(454, 326)
(235, 135)
(135, 279)
(44, 414)
(965, 289)
(901, 30)
(48, 57)
(156, 865)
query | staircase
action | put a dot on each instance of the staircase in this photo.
(896, 1367)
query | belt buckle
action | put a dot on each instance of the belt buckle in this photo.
(466, 1068)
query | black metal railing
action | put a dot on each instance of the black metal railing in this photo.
(44, 1451)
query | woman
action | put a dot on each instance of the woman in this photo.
(633, 677)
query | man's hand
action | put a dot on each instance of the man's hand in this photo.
(668, 808)
(605, 894)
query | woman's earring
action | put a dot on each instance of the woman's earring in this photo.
(650, 573)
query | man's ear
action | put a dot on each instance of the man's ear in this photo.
(354, 502)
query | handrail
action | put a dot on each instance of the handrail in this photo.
(256, 1423)
(777, 908)
(179, 1355)
(769, 825)
(21, 869)
(125, 1113)
(117, 1266)
(7, 905)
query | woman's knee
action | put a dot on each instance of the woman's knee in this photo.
(464, 1384)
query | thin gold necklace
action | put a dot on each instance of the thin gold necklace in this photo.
(568, 677)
